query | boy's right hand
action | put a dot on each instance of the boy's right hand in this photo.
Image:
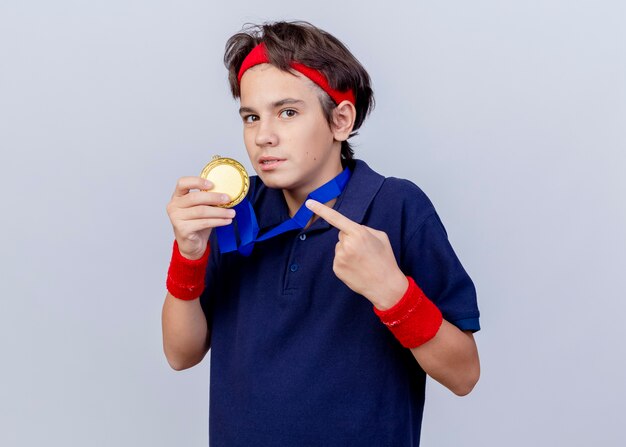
(194, 214)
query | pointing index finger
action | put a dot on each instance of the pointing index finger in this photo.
(333, 217)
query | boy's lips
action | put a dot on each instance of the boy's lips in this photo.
(270, 163)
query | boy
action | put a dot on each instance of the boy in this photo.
(322, 335)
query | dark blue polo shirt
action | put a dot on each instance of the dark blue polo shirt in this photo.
(299, 359)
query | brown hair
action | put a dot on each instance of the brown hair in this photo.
(302, 42)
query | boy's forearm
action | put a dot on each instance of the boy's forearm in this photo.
(451, 358)
(186, 336)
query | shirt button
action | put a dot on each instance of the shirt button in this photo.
(293, 267)
(302, 236)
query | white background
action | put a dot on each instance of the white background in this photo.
(511, 116)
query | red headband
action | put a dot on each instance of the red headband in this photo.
(258, 55)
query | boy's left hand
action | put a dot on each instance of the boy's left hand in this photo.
(364, 260)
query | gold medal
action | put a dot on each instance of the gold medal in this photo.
(228, 177)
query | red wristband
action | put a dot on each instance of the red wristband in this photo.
(185, 277)
(414, 319)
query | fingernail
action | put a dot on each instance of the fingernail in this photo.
(231, 213)
(208, 184)
(225, 198)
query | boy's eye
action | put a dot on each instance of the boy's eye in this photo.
(288, 113)
(250, 118)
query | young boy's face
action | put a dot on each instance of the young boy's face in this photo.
(288, 139)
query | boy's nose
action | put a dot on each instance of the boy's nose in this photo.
(266, 136)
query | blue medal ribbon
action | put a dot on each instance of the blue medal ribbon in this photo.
(245, 224)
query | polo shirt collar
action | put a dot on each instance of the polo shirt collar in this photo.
(363, 186)
(353, 203)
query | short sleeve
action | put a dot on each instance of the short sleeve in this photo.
(431, 261)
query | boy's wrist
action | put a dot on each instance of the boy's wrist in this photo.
(185, 277)
(391, 292)
(193, 256)
(413, 320)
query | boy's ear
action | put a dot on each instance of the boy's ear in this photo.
(344, 116)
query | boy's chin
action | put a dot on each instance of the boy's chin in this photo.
(272, 181)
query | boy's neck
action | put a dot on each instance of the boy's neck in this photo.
(295, 201)
(294, 205)
(295, 198)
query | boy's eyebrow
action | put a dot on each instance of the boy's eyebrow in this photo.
(274, 105)
(243, 110)
(286, 101)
